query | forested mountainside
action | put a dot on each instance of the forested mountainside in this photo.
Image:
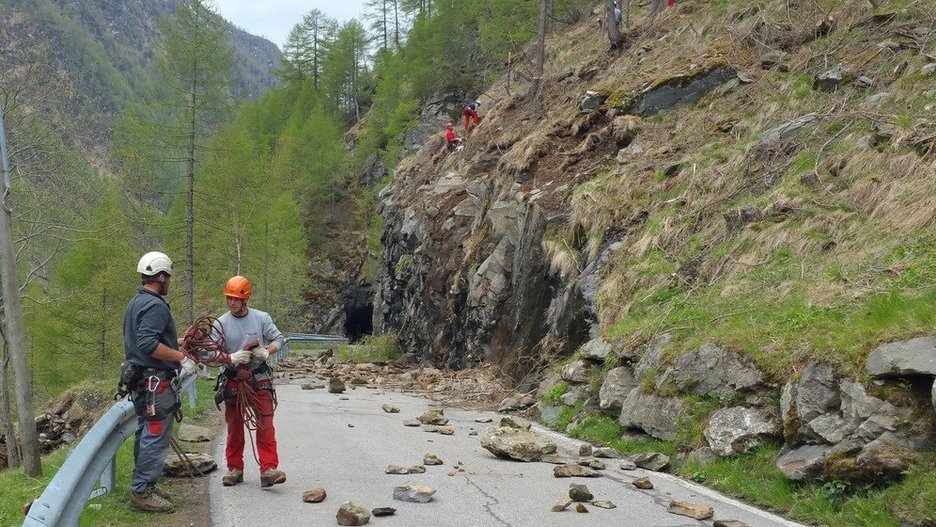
(90, 61)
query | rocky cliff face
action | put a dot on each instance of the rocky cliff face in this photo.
(683, 173)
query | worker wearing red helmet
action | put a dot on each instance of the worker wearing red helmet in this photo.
(451, 138)
(250, 336)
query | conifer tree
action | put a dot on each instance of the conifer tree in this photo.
(196, 66)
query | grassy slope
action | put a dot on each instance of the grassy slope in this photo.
(844, 256)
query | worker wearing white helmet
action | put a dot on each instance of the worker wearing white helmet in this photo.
(151, 370)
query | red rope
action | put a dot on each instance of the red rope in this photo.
(203, 342)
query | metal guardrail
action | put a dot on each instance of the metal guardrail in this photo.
(314, 337)
(90, 470)
(93, 459)
(317, 338)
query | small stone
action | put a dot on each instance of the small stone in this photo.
(628, 465)
(569, 471)
(413, 493)
(606, 452)
(580, 507)
(350, 425)
(344, 398)
(433, 416)
(452, 472)
(642, 483)
(390, 408)
(729, 523)
(316, 495)
(351, 513)
(431, 459)
(411, 422)
(604, 504)
(446, 430)
(483, 419)
(383, 511)
(472, 432)
(307, 386)
(432, 429)
(596, 464)
(579, 492)
(561, 505)
(336, 385)
(585, 450)
(555, 459)
(396, 469)
(417, 469)
(692, 510)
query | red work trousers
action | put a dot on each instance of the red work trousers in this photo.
(266, 434)
(470, 114)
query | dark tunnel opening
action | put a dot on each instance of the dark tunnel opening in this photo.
(359, 322)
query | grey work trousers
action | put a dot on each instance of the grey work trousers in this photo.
(152, 437)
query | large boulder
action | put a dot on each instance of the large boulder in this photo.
(614, 389)
(656, 415)
(595, 350)
(514, 443)
(739, 430)
(910, 357)
(803, 463)
(713, 370)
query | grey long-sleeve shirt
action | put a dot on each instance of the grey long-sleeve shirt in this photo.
(147, 323)
(256, 325)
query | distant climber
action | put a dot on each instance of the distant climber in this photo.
(470, 111)
(451, 139)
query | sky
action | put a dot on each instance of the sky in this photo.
(273, 19)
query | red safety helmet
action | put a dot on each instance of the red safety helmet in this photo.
(238, 287)
(448, 125)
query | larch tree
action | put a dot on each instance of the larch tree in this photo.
(540, 49)
(196, 65)
(346, 65)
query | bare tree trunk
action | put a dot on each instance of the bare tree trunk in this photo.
(540, 50)
(13, 324)
(614, 34)
(190, 209)
(6, 410)
(102, 340)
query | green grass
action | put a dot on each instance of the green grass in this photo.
(556, 392)
(110, 510)
(791, 326)
(372, 348)
(755, 478)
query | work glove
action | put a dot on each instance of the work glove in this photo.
(188, 367)
(240, 357)
(260, 353)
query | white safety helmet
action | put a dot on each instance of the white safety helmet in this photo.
(154, 263)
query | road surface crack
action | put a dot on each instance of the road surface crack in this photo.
(490, 503)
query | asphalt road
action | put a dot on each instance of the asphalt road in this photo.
(344, 446)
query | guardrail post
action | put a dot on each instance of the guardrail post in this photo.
(109, 476)
(192, 393)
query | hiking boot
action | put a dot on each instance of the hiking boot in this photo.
(233, 477)
(149, 501)
(159, 491)
(271, 477)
